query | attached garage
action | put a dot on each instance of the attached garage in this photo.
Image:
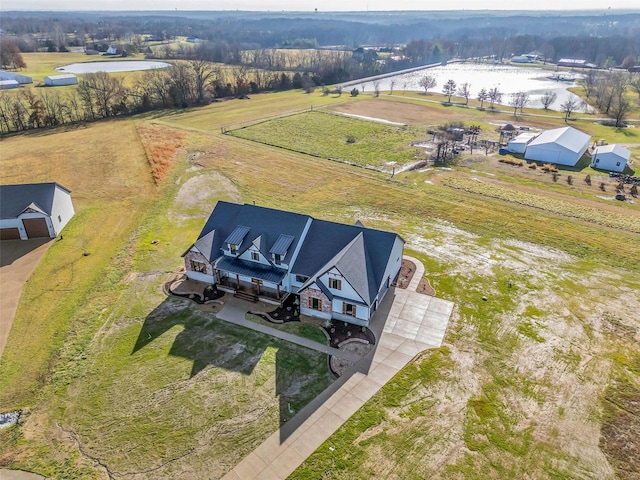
(36, 227)
(34, 210)
(9, 234)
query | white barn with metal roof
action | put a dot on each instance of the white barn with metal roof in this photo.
(18, 77)
(60, 80)
(612, 158)
(561, 146)
(34, 210)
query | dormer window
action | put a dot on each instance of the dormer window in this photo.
(234, 240)
(277, 258)
(233, 248)
(255, 256)
(280, 248)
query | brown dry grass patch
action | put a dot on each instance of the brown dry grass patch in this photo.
(161, 145)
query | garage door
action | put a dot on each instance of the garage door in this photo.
(9, 234)
(36, 227)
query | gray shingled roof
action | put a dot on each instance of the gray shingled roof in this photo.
(14, 199)
(360, 254)
(267, 223)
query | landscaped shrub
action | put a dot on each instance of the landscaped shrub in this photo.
(533, 165)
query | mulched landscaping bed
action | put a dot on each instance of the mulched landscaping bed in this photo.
(339, 332)
(405, 274)
(288, 312)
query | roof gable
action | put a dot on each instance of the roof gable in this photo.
(616, 149)
(567, 137)
(15, 199)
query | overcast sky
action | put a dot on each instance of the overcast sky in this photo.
(324, 5)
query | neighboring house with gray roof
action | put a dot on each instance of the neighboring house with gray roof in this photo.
(34, 210)
(337, 271)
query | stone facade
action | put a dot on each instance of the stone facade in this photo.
(197, 257)
(308, 293)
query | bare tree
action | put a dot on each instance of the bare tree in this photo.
(548, 98)
(449, 89)
(568, 107)
(10, 55)
(427, 82)
(634, 82)
(589, 82)
(483, 95)
(204, 73)
(495, 96)
(106, 93)
(518, 101)
(465, 91)
(376, 88)
(392, 84)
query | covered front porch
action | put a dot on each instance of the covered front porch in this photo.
(251, 280)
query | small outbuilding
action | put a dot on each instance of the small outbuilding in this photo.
(519, 144)
(18, 77)
(60, 80)
(562, 146)
(34, 210)
(612, 158)
(8, 84)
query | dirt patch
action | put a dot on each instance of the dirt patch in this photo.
(620, 440)
(198, 195)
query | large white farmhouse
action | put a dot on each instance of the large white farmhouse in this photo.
(337, 271)
(562, 146)
(34, 210)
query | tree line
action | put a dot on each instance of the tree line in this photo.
(100, 95)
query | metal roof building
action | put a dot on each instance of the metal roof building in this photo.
(612, 158)
(562, 146)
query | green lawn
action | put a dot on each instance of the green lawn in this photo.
(305, 330)
(360, 142)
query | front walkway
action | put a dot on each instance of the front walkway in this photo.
(406, 324)
(235, 310)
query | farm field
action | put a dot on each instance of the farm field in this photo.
(541, 378)
(360, 142)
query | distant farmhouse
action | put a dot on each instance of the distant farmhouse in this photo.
(562, 146)
(34, 210)
(61, 80)
(612, 158)
(337, 271)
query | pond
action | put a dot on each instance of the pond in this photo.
(509, 80)
(111, 67)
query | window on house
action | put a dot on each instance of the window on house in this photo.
(301, 278)
(255, 256)
(597, 160)
(349, 309)
(315, 303)
(335, 283)
(256, 281)
(277, 258)
(233, 248)
(197, 266)
(618, 164)
(59, 219)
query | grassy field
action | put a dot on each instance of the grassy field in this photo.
(526, 381)
(360, 142)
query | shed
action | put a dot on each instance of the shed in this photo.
(612, 158)
(21, 79)
(8, 84)
(519, 144)
(59, 80)
(34, 210)
(562, 146)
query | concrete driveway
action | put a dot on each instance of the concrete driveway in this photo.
(18, 259)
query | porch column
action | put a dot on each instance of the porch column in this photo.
(278, 292)
(258, 287)
(218, 276)
(237, 281)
